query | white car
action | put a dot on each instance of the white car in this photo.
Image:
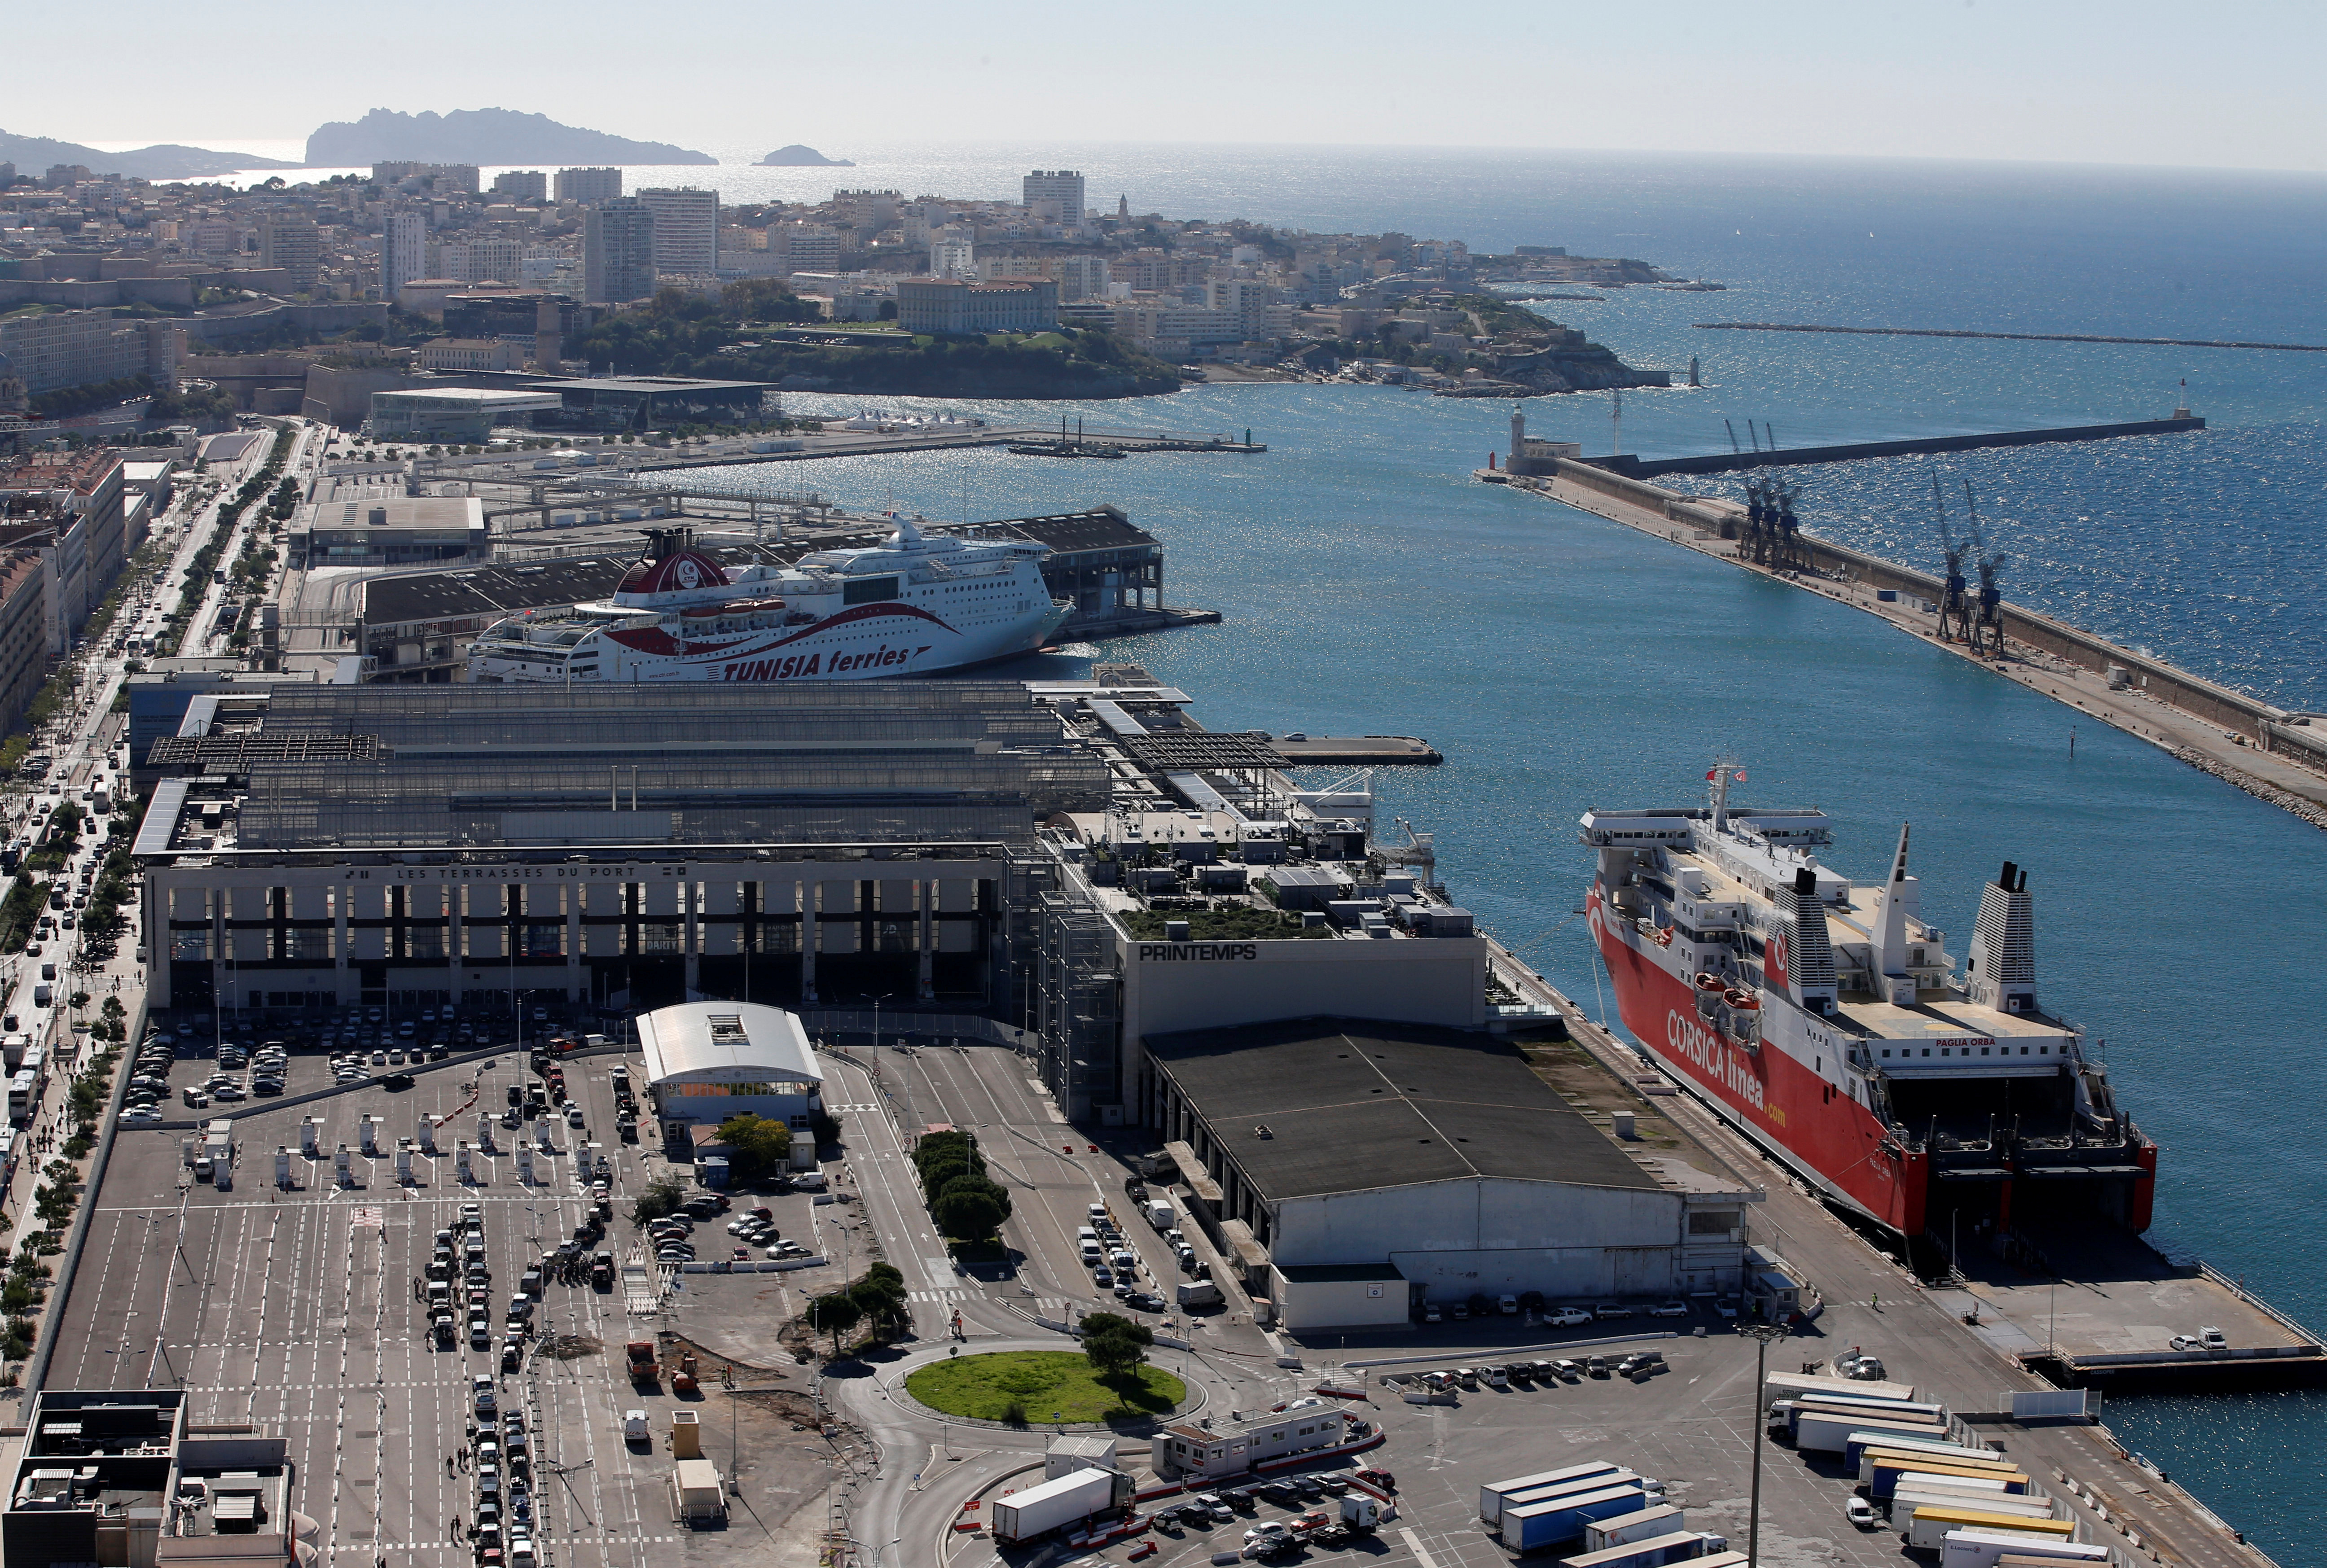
(1859, 1512)
(1566, 1316)
(139, 1117)
(1669, 1310)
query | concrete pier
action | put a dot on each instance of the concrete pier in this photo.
(2271, 753)
(1632, 467)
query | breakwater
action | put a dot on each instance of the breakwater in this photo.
(2275, 755)
(1632, 467)
(2007, 337)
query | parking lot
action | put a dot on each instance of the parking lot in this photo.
(299, 1308)
(1689, 1426)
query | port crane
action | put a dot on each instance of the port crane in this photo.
(1955, 606)
(1987, 630)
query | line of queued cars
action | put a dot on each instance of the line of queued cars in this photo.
(1113, 1264)
(503, 1533)
(1637, 1368)
(1553, 1317)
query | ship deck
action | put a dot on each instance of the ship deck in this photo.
(2105, 1313)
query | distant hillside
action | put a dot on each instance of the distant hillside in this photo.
(479, 136)
(33, 156)
(798, 157)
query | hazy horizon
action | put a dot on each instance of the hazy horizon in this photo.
(2128, 84)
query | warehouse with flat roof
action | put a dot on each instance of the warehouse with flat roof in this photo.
(1356, 1168)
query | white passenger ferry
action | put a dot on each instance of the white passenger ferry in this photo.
(914, 604)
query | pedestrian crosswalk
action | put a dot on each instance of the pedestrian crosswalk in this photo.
(941, 1295)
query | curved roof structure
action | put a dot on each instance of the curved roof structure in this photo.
(726, 1042)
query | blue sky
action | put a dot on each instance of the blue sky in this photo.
(2135, 81)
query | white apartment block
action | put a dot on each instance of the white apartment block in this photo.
(805, 247)
(588, 185)
(1171, 321)
(1054, 193)
(952, 255)
(1083, 278)
(403, 251)
(686, 230)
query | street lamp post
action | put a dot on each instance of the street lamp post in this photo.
(1762, 1334)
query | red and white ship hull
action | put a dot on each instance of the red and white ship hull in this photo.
(1789, 1106)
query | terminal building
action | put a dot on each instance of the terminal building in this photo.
(467, 414)
(323, 845)
(707, 1061)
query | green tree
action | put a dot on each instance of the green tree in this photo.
(982, 1183)
(661, 1197)
(938, 1173)
(882, 1301)
(757, 1144)
(1114, 1344)
(835, 1314)
(968, 1213)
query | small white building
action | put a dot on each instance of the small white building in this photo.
(1233, 1446)
(707, 1061)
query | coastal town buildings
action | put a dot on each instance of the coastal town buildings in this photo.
(310, 296)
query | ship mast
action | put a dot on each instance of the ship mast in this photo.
(1719, 779)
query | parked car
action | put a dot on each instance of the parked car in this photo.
(1669, 1310)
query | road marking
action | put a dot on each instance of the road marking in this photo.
(1421, 1553)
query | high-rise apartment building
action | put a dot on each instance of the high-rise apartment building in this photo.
(290, 240)
(589, 185)
(806, 248)
(403, 251)
(1056, 194)
(618, 256)
(952, 255)
(1083, 278)
(529, 184)
(685, 231)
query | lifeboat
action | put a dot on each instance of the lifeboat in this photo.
(1709, 989)
(1744, 1016)
(732, 607)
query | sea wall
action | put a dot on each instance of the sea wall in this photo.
(2266, 726)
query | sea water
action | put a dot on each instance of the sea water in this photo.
(1369, 585)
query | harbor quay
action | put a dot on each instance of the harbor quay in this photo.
(2274, 754)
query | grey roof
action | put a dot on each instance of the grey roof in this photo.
(452, 766)
(726, 1042)
(1350, 1105)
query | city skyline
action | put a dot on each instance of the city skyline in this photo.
(2070, 83)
